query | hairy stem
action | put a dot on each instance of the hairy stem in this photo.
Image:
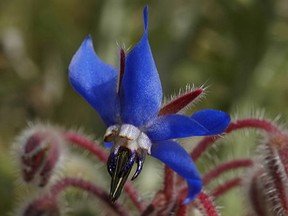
(91, 188)
(226, 186)
(83, 142)
(208, 207)
(225, 167)
(262, 124)
(169, 183)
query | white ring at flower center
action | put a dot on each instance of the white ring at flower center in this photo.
(135, 138)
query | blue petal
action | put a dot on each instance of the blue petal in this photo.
(214, 121)
(141, 92)
(175, 157)
(174, 126)
(95, 81)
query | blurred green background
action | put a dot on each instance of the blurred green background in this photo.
(239, 48)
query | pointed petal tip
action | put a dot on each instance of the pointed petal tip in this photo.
(95, 81)
(194, 188)
(141, 84)
(87, 41)
(176, 157)
(145, 17)
(86, 46)
(88, 37)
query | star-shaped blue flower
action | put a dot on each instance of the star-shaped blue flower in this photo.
(129, 104)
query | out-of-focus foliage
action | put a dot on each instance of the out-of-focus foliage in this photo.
(239, 48)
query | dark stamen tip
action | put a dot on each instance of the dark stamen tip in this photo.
(122, 165)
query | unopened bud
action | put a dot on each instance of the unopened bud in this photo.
(39, 152)
(268, 186)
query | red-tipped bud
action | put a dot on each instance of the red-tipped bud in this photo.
(268, 186)
(39, 153)
(43, 206)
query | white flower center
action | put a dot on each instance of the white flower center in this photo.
(128, 135)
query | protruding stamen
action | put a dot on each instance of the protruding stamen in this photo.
(140, 162)
(130, 145)
(129, 163)
(124, 162)
(111, 163)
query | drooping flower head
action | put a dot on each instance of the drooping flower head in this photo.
(129, 103)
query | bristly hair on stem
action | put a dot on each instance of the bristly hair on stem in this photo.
(63, 184)
(206, 205)
(225, 167)
(226, 186)
(261, 124)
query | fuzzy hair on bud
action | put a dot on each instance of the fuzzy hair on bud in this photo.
(267, 185)
(275, 151)
(38, 150)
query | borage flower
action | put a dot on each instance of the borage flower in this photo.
(129, 103)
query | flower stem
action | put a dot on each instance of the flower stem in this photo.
(64, 183)
(134, 196)
(263, 124)
(225, 167)
(182, 209)
(225, 187)
(169, 183)
(207, 205)
(83, 142)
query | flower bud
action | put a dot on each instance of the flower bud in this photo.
(39, 153)
(268, 185)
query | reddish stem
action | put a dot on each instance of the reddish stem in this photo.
(83, 142)
(207, 205)
(169, 183)
(225, 167)
(64, 183)
(240, 124)
(135, 197)
(225, 187)
(94, 148)
(182, 209)
(180, 102)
